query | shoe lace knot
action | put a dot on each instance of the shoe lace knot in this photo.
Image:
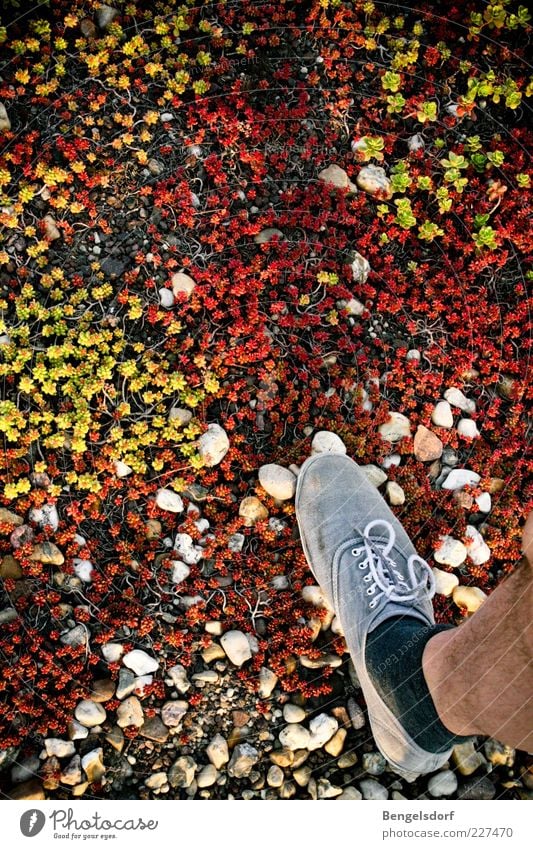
(384, 578)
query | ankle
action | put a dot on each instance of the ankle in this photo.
(448, 686)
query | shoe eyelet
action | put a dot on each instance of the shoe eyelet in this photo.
(372, 604)
(370, 591)
(363, 565)
(367, 578)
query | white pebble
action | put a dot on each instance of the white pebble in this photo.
(140, 662)
(442, 415)
(326, 442)
(468, 428)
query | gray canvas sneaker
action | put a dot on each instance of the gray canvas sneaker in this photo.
(366, 564)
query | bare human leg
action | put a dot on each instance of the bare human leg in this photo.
(480, 675)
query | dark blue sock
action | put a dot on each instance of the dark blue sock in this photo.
(394, 662)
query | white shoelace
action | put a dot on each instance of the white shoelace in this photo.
(382, 569)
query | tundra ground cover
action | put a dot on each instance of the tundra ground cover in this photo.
(154, 139)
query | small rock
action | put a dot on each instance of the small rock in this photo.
(267, 682)
(83, 569)
(395, 493)
(252, 510)
(275, 776)
(130, 713)
(335, 745)
(217, 751)
(122, 470)
(21, 536)
(374, 474)
(442, 415)
(360, 268)
(477, 548)
(397, 427)
(445, 582)
(391, 460)
(140, 662)
(58, 748)
(105, 15)
(468, 428)
(102, 690)
(45, 515)
(373, 179)
(208, 776)
(180, 415)
(374, 763)
(267, 235)
(153, 529)
(326, 442)
(302, 776)
(173, 711)
(484, 502)
(457, 398)
(236, 646)
(166, 298)
(353, 307)
(499, 754)
(466, 759)
(350, 794)
(10, 568)
(50, 228)
(294, 737)
(154, 729)
(293, 713)
(279, 482)
(125, 684)
(112, 652)
(413, 355)
(468, 598)
(506, 387)
(347, 760)
(459, 478)
(479, 788)
(72, 773)
(336, 176)
(182, 283)
(327, 790)
(236, 542)
(427, 445)
(48, 554)
(180, 571)
(213, 445)
(322, 729)
(244, 757)
(9, 518)
(188, 552)
(415, 143)
(156, 780)
(181, 773)
(356, 714)
(93, 765)
(89, 714)
(167, 499)
(373, 790)
(178, 676)
(451, 552)
(9, 614)
(5, 126)
(442, 784)
(77, 731)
